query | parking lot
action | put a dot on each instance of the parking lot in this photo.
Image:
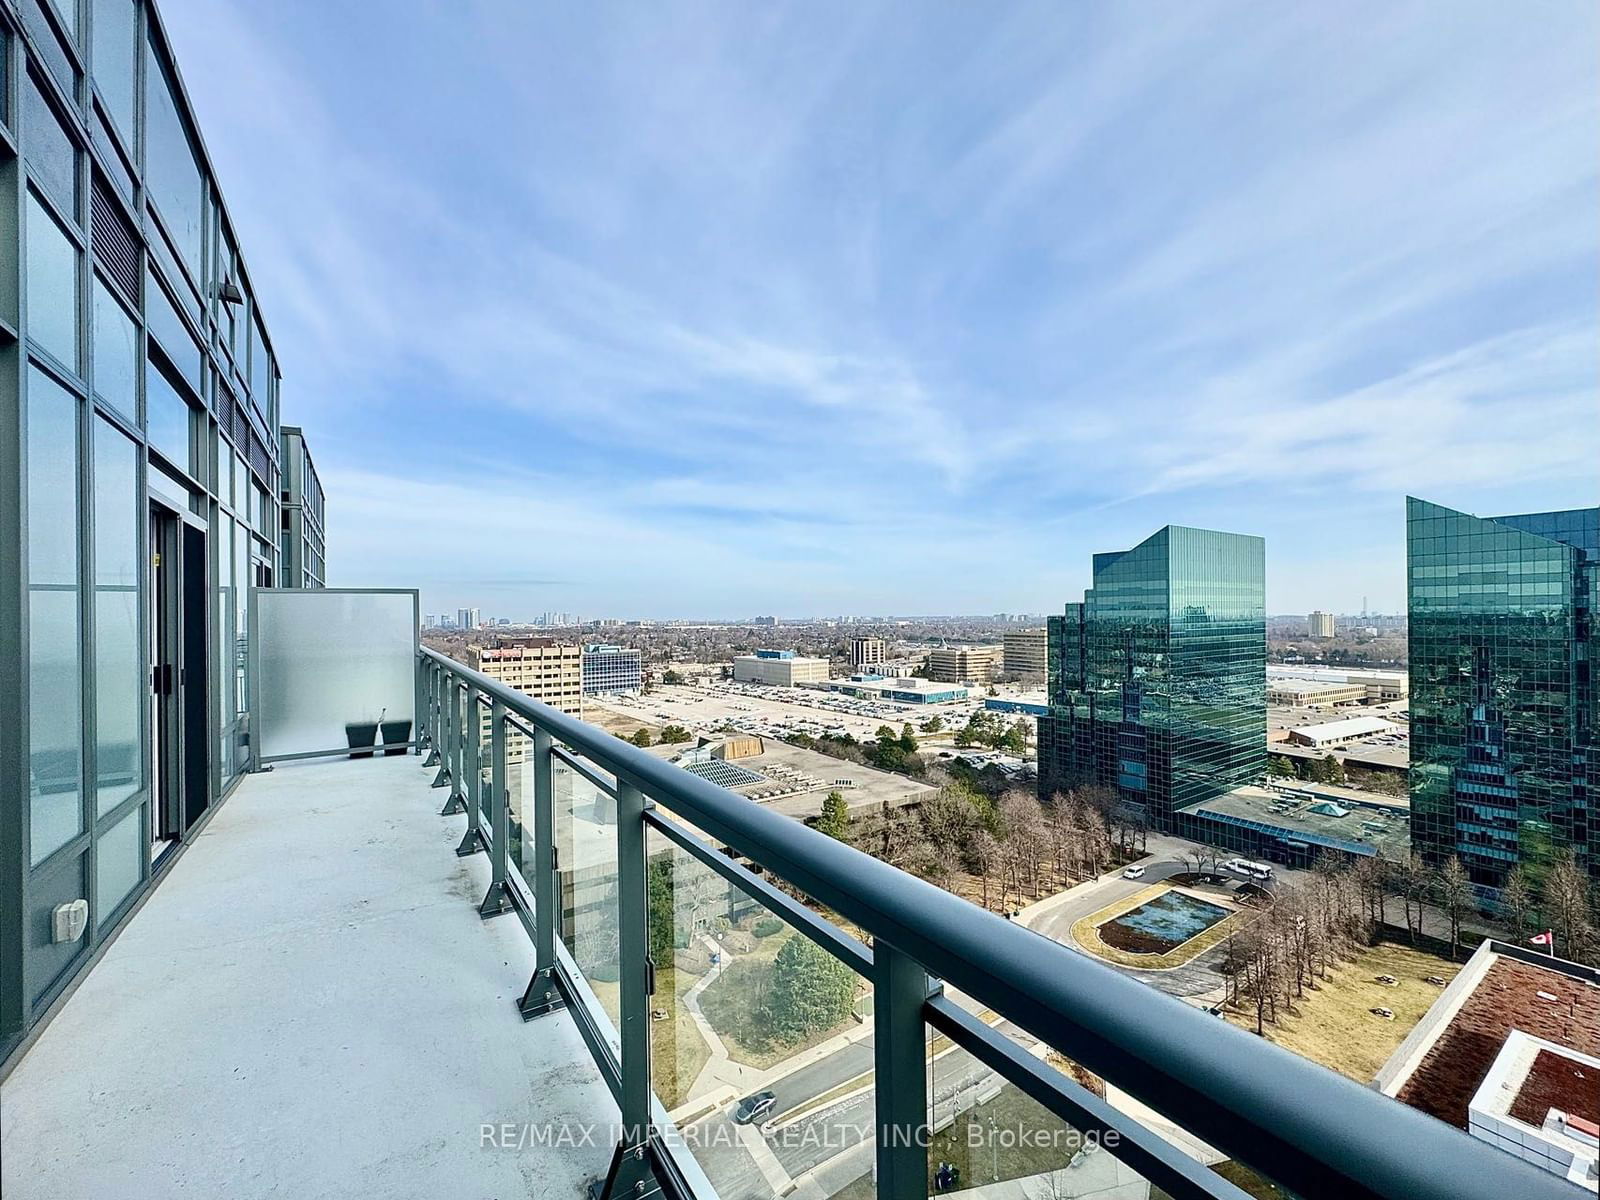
(770, 711)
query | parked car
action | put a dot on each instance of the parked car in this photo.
(1133, 873)
(754, 1107)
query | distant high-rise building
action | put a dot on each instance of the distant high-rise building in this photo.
(964, 664)
(766, 622)
(1026, 651)
(1504, 687)
(867, 652)
(302, 530)
(1158, 679)
(430, 621)
(468, 618)
(1320, 624)
(610, 669)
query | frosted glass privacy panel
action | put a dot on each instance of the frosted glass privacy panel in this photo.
(333, 665)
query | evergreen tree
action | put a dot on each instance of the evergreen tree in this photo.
(811, 990)
(835, 818)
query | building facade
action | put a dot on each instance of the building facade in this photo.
(779, 668)
(302, 530)
(867, 652)
(139, 484)
(964, 664)
(1026, 651)
(1320, 624)
(1503, 687)
(468, 618)
(1157, 680)
(609, 669)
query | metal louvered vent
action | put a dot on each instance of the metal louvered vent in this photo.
(260, 462)
(115, 246)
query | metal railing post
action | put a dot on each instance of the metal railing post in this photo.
(542, 993)
(419, 718)
(497, 899)
(451, 770)
(433, 715)
(472, 775)
(630, 1167)
(900, 1088)
(442, 745)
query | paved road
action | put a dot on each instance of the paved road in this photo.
(1197, 978)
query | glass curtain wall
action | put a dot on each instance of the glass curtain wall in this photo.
(97, 412)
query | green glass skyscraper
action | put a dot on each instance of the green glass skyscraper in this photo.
(1158, 679)
(1503, 686)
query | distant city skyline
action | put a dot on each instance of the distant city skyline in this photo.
(847, 310)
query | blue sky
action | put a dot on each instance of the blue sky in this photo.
(721, 309)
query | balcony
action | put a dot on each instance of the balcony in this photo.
(524, 963)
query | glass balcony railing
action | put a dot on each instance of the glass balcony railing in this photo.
(776, 1012)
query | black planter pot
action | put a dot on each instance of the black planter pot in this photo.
(395, 736)
(361, 733)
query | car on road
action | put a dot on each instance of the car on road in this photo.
(754, 1107)
(1133, 873)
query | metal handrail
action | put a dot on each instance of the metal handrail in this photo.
(1310, 1130)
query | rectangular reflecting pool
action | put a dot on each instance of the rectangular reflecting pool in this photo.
(1161, 924)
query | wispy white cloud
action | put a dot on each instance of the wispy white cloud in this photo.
(866, 288)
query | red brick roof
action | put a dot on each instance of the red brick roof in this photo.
(1506, 998)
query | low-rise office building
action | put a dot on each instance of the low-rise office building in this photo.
(1314, 693)
(779, 668)
(965, 664)
(1026, 651)
(1338, 733)
(903, 690)
(1510, 1052)
(609, 669)
(1382, 687)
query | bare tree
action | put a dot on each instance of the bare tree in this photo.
(1567, 907)
(1516, 899)
(1455, 896)
(1414, 878)
(985, 853)
(1023, 835)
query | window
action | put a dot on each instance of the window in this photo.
(115, 353)
(120, 854)
(260, 367)
(55, 731)
(52, 155)
(171, 172)
(168, 419)
(52, 285)
(118, 665)
(115, 49)
(48, 42)
(173, 335)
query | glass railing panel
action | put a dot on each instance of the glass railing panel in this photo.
(989, 1130)
(585, 819)
(762, 1049)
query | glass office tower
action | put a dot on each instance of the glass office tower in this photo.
(1158, 679)
(138, 482)
(1503, 686)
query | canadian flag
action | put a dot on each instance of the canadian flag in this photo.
(1542, 939)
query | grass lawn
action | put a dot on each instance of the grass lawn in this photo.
(1013, 1114)
(1086, 932)
(677, 1051)
(1333, 1026)
(733, 1004)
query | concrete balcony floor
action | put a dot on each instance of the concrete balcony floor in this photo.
(308, 1006)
